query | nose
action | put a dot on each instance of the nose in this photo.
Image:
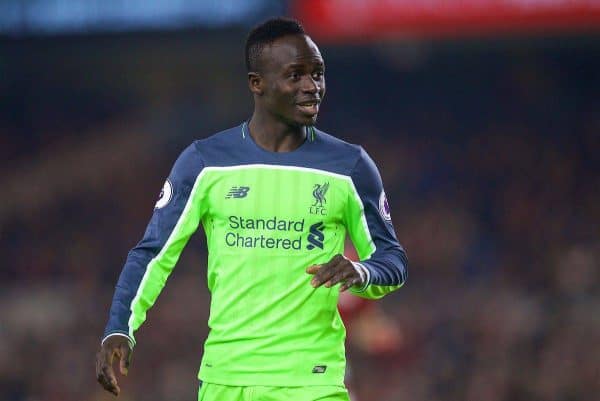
(309, 85)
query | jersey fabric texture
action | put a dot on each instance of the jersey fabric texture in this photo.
(219, 392)
(267, 217)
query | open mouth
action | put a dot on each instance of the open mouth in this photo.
(309, 107)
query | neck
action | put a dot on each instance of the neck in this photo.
(274, 135)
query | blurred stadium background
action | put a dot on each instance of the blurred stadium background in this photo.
(483, 116)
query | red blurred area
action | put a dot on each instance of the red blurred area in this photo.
(344, 20)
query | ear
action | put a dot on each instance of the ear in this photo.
(255, 83)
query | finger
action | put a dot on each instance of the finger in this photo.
(313, 269)
(338, 277)
(345, 274)
(108, 376)
(125, 359)
(106, 384)
(104, 371)
(109, 381)
(100, 364)
(333, 261)
(349, 283)
(324, 274)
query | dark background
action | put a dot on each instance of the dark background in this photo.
(488, 147)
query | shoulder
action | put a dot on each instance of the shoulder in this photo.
(335, 144)
(360, 166)
(218, 148)
(198, 154)
(341, 155)
(356, 156)
(225, 138)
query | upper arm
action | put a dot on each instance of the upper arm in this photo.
(368, 218)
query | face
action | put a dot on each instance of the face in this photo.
(291, 82)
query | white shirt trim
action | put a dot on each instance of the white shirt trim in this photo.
(118, 334)
(365, 275)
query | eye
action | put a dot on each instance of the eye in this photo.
(295, 76)
(317, 75)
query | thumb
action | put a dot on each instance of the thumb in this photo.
(125, 358)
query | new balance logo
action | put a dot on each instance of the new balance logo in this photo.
(319, 369)
(237, 192)
(316, 236)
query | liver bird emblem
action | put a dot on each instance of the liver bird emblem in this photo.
(319, 192)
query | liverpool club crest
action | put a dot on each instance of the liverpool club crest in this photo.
(319, 192)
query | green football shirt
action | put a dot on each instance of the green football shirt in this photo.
(267, 217)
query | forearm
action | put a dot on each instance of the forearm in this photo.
(385, 272)
(125, 292)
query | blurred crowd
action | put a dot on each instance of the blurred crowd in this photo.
(490, 162)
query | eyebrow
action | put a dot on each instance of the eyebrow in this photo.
(300, 65)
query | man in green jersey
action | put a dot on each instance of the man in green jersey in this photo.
(276, 198)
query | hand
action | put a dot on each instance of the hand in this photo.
(338, 270)
(114, 346)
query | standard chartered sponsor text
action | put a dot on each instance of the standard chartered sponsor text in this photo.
(264, 233)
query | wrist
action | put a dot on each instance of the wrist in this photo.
(365, 275)
(116, 337)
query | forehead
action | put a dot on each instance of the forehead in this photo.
(291, 49)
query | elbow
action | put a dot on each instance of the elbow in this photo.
(403, 267)
(396, 266)
(398, 263)
(389, 268)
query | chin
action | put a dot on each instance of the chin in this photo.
(300, 120)
(307, 120)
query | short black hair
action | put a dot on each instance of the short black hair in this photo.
(265, 34)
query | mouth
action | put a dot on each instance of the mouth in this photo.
(310, 107)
